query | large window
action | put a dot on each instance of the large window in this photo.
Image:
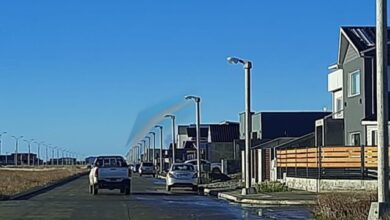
(354, 83)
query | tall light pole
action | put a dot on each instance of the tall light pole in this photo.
(197, 103)
(144, 150)
(173, 136)
(161, 146)
(38, 151)
(16, 148)
(248, 121)
(154, 145)
(47, 154)
(29, 150)
(381, 209)
(148, 153)
(1, 141)
(58, 155)
(52, 155)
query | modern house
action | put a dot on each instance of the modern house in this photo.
(216, 141)
(352, 83)
(271, 129)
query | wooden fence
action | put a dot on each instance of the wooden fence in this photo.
(327, 160)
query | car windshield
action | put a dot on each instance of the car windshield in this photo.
(183, 167)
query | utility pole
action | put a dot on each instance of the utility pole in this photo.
(16, 148)
(161, 147)
(198, 164)
(380, 209)
(148, 150)
(154, 145)
(173, 137)
(248, 122)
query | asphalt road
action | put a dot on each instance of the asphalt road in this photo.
(148, 201)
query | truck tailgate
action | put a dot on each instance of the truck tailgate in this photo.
(113, 173)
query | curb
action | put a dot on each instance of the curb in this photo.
(41, 189)
(264, 202)
(221, 195)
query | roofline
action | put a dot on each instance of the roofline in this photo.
(342, 32)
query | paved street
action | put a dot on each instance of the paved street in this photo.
(149, 201)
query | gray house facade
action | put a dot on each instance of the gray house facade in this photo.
(352, 84)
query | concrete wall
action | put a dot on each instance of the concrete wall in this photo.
(326, 185)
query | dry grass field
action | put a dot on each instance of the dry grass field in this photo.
(13, 181)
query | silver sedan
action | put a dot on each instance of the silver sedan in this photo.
(182, 175)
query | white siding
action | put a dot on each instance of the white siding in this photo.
(335, 80)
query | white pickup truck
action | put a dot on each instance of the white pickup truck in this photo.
(110, 172)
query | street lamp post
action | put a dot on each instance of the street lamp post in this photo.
(154, 145)
(248, 121)
(58, 156)
(197, 102)
(148, 153)
(143, 156)
(173, 136)
(161, 146)
(1, 142)
(16, 148)
(38, 151)
(29, 150)
(52, 155)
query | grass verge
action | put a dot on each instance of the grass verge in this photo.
(344, 206)
(16, 181)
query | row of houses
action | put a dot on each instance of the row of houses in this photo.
(23, 159)
(303, 144)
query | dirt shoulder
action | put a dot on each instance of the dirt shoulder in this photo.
(14, 181)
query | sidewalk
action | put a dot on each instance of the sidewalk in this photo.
(276, 198)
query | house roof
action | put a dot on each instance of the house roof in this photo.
(363, 38)
(225, 132)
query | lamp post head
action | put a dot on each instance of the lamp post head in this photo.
(153, 133)
(159, 126)
(170, 116)
(195, 98)
(233, 60)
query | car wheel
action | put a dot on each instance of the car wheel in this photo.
(169, 188)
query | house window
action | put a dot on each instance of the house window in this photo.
(354, 83)
(355, 139)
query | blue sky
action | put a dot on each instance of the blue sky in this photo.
(77, 73)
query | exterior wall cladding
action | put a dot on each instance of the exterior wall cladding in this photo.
(270, 125)
(354, 110)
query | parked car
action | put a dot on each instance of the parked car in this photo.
(214, 167)
(110, 172)
(182, 175)
(147, 169)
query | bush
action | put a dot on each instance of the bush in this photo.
(344, 206)
(270, 186)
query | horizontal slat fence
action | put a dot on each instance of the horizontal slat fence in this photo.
(329, 160)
